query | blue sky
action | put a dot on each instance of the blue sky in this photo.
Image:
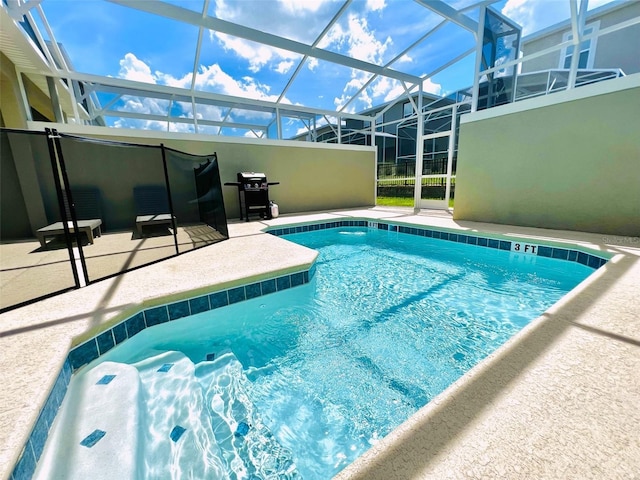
(108, 39)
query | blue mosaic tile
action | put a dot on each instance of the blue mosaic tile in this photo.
(236, 295)
(428, 233)
(573, 256)
(39, 436)
(268, 286)
(436, 233)
(156, 316)
(105, 342)
(458, 356)
(242, 429)
(305, 276)
(297, 279)
(383, 226)
(483, 242)
(493, 243)
(603, 261)
(93, 438)
(26, 465)
(219, 299)
(119, 333)
(583, 258)
(165, 368)
(50, 409)
(59, 389)
(462, 238)
(393, 228)
(135, 324)
(66, 372)
(283, 283)
(199, 304)
(253, 290)
(106, 380)
(177, 432)
(472, 240)
(453, 237)
(83, 354)
(179, 310)
(559, 253)
(312, 271)
(594, 262)
(545, 251)
(444, 236)
(505, 245)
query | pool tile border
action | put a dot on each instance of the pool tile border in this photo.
(105, 341)
(566, 254)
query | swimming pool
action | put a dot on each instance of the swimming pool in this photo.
(318, 376)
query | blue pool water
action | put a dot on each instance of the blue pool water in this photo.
(299, 383)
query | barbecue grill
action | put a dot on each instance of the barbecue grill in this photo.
(253, 194)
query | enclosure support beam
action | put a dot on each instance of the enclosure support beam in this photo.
(452, 146)
(417, 192)
(478, 67)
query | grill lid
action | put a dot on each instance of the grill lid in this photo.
(252, 181)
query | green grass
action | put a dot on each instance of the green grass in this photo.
(395, 201)
(400, 202)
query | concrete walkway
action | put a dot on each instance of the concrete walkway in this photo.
(559, 400)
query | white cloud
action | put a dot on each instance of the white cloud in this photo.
(133, 69)
(213, 78)
(428, 86)
(357, 40)
(299, 20)
(209, 78)
(303, 6)
(284, 66)
(312, 63)
(256, 54)
(376, 5)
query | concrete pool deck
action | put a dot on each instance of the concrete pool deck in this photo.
(559, 400)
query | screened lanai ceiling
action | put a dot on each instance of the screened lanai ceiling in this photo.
(247, 67)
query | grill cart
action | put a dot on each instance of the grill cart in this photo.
(253, 194)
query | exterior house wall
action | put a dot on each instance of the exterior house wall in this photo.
(620, 49)
(545, 62)
(614, 50)
(568, 161)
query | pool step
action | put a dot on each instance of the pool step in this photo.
(240, 433)
(177, 437)
(97, 430)
(162, 417)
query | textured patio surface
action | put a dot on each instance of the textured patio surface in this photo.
(559, 400)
